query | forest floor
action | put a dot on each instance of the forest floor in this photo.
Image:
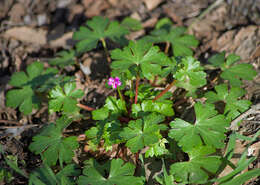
(32, 30)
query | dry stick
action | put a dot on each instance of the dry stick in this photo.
(105, 48)
(164, 91)
(85, 107)
(136, 88)
(254, 108)
(205, 12)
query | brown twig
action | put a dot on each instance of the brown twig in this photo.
(136, 88)
(164, 91)
(85, 107)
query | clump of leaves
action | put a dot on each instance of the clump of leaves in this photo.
(232, 71)
(26, 95)
(64, 58)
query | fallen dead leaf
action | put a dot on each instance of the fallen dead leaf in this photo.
(63, 41)
(27, 34)
(152, 4)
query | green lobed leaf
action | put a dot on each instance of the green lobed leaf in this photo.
(190, 75)
(52, 145)
(64, 99)
(143, 132)
(157, 149)
(131, 24)
(98, 28)
(233, 106)
(25, 96)
(64, 58)
(119, 174)
(209, 128)
(145, 58)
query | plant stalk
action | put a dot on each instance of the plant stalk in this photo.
(120, 95)
(167, 46)
(85, 107)
(106, 50)
(136, 88)
(165, 90)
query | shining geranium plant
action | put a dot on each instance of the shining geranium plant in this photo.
(164, 107)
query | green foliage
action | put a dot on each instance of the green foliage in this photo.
(143, 132)
(53, 145)
(190, 75)
(45, 176)
(180, 41)
(64, 58)
(157, 149)
(65, 99)
(140, 58)
(106, 130)
(197, 168)
(131, 24)
(209, 128)
(98, 28)
(233, 106)
(231, 71)
(27, 84)
(119, 173)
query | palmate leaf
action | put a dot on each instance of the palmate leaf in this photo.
(139, 57)
(143, 132)
(180, 41)
(231, 71)
(120, 173)
(98, 28)
(64, 58)
(197, 169)
(233, 106)
(27, 84)
(45, 176)
(64, 99)
(209, 129)
(190, 75)
(52, 145)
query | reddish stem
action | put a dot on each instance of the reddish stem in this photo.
(136, 88)
(164, 91)
(167, 46)
(85, 107)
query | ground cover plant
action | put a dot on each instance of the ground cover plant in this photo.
(139, 120)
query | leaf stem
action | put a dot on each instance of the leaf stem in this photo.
(85, 107)
(167, 46)
(120, 95)
(136, 88)
(165, 90)
(105, 48)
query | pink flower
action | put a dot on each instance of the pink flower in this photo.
(114, 82)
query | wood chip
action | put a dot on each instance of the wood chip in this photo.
(27, 34)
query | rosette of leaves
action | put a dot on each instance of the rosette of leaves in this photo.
(209, 129)
(98, 29)
(143, 132)
(232, 71)
(65, 99)
(64, 58)
(29, 87)
(138, 58)
(111, 173)
(52, 145)
(199, 167)
(45, 176)
(233, 106)
(181, 42)
(190, 75)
